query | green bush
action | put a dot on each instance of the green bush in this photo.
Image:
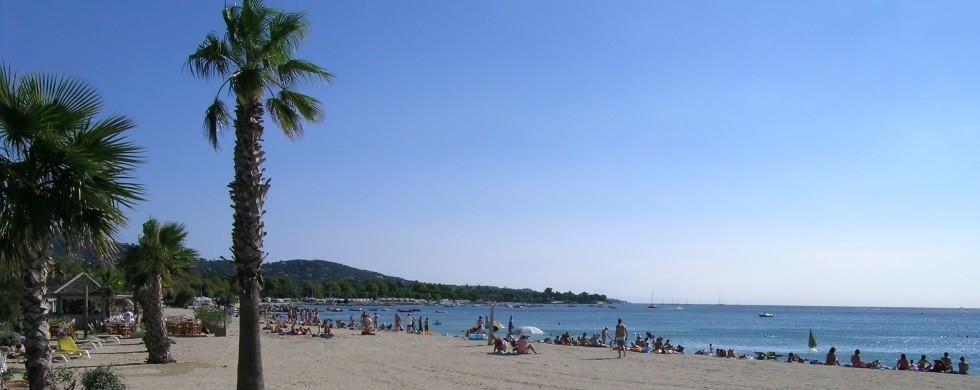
(212, 316)
(102, 378)
(63, 376)
(9, 339)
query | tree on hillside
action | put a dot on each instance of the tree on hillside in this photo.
(255, 61)
(158, 257)
(64, 174)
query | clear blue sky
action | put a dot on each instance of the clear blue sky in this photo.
(763, 152)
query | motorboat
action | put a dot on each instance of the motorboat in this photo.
(765, 315)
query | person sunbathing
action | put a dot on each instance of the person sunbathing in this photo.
(524, 346)
(566, 339)
(903, 363)
(923, 364)
(499, 345)
(792, 358)
(964, 366)
(857, 362)
(832, 357)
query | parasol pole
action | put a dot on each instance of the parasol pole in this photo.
(490, 321)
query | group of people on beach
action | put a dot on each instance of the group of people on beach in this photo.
(939, 365)
(295, 321)
(422, 328)
(945, 364)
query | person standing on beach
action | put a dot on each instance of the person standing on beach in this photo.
(605, 335)
(411, 323)
(426, 324)
(398, 323)
(479, 324)
(621, 333)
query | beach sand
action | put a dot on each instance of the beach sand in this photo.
(398, 360)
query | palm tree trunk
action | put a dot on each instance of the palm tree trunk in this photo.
(155, 338)
(248, 191)
(34, 270)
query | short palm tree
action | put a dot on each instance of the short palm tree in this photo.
(63, 174)
(255, 61)
(158, 257)
(111, 282)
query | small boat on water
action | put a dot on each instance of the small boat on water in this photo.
(408, 310)
(355, 309)
(651, 306)
(765, 315)
(440, 311)
(335, 309)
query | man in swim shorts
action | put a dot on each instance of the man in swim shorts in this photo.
(621, 333)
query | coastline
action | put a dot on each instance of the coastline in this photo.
(425, 362)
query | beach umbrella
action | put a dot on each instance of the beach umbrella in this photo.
(497, 325)
(526, 330)
(813, 341)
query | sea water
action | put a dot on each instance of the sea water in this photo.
(880, 333)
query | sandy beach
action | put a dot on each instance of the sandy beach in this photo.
(408, 361)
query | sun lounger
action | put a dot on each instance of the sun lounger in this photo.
(105, 338)
(87, 343)
(68, 347)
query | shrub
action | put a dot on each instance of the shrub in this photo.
(9, 339)
(63, 376)
(102, 378)
(211, 316)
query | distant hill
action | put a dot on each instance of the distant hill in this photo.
(317, 270)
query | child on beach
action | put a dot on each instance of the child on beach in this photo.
(902, 363)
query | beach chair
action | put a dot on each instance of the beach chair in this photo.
(104, 338)
(87, 343)
(68, 347)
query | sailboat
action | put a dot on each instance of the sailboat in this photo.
(651, 306)
(813, 342)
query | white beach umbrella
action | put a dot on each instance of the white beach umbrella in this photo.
(527, 330)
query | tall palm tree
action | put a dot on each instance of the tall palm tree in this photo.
(63, 174)
(159, 256)
(255, 61)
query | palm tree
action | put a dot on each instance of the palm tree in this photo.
(254, 60)
(111, 281)
(63, 174)
(158, 257)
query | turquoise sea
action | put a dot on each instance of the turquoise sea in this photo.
(880, 333)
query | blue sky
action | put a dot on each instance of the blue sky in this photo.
(766, 152)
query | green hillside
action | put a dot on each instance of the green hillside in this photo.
(314, 270)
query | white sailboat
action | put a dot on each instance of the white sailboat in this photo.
(651, 306)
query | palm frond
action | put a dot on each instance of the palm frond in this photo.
(211, 59)
(216, 118)
(286, 31)
(293, 71)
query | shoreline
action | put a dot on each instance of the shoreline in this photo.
(414, 361)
